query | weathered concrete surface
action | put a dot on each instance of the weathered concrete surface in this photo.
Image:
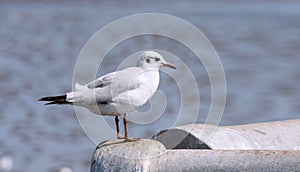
(124, 155)
(149, 155)
(270, 146)
(227, 160)
(280, 135)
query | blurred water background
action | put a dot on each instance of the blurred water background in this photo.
(258, 44)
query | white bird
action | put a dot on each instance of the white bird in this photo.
(119, 92)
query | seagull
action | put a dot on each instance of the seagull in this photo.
(117, 93)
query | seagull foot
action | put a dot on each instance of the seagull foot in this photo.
(132, 138)
(129, 138)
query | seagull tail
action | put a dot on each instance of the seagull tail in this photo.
(55, 100)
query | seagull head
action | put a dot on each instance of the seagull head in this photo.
(151, 59)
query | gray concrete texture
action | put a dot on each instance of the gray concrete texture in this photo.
(279, 135)
(149, 155)
(255, 147)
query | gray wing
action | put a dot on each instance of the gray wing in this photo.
(112, 84)
(102, 81)
(121, 77)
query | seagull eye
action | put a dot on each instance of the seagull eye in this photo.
(157, 59)
(148, 60)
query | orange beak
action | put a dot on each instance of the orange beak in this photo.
(169, 65)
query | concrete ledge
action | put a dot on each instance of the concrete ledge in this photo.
(270, 146)
(122, 155)
(227, 160)
(148, 155)
(279, 135)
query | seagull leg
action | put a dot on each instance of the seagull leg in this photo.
(126, 130)
(117, 126)
(125, 126)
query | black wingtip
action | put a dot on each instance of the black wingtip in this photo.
(46, 99)
(55, 100)
(50, 103)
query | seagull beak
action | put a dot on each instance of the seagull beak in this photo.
(169, 65)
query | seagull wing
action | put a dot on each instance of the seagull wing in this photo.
(103, 81)
(112, 84)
